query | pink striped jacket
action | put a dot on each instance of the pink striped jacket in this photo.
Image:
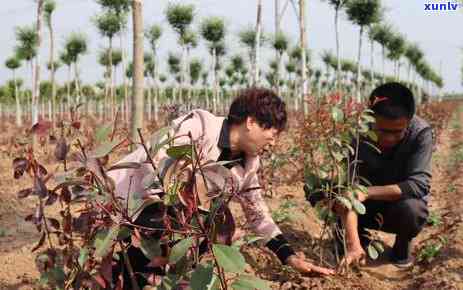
(205, 129)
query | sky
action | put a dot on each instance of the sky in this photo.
(438, 33)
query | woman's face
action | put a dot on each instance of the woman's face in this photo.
(255, 138)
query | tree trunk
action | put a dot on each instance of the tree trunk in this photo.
(52, 73)
(384, 62)
(110, 71)
(256, 76)
(124, 76)
(338, 48)
(138, 70)
(36, 83)
(68, 86)
(76, 83)
(19, 120)
(357, 85)
(149, 102)
(214, 80)
(302, 43)
(372, 64)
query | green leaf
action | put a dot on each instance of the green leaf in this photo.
(125, 165)
(157, 140)
(83, 256)
(102, 134)
(372, 252)
(180, 151)
(358, 206)
(337, 114)
(372, 135)
(150, 248)
(104, 240)
(368, 118)
(246, 282)
(344, 201)
(378, 246)
(180, 249)
(57, 277)
(203, 277)
(158, 135)
(104, 149)
(124, 233)
(338, 156)
(137, 204)
(246, 240)
(229, 258)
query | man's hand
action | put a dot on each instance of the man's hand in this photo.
(299, 263)
(357, 194)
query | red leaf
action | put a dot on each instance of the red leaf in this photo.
(100, 280)
(61, 150)
(158, 262)
(65, 195)
(40, 243)
(106, 269)
(41, 128)
(52, 197)
(54, 223)
(24, 193)
(76, 125)
(225, 224)
(29, 218)
(41, 171)
(187, 197)
(19, 166)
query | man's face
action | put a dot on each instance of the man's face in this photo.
(390, 131)
(256, 138)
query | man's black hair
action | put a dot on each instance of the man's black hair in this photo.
(393, 101)
(263, 105)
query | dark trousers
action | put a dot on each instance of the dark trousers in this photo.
(405, 218)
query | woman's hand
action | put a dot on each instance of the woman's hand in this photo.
(299, 263)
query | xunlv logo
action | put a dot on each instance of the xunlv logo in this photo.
(449, 6)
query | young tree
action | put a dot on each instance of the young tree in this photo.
(136, 121)
(13, 63)
(247, 38)
(27, 49)
(337, 5)
(153, 34)
(180, 17)
(414, 54)
(67, 60)
(49, 8)
(255, 66)
(382, 34)
(364, 13)
(76, 46)
(109, 24)
(280, 44)
(396, 47)
(213, 31)
(36, 82)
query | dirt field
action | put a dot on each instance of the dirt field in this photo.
(445, 271)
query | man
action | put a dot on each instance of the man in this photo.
(256, 118)
(400, 175)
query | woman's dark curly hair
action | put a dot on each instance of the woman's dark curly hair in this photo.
(263, 105)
